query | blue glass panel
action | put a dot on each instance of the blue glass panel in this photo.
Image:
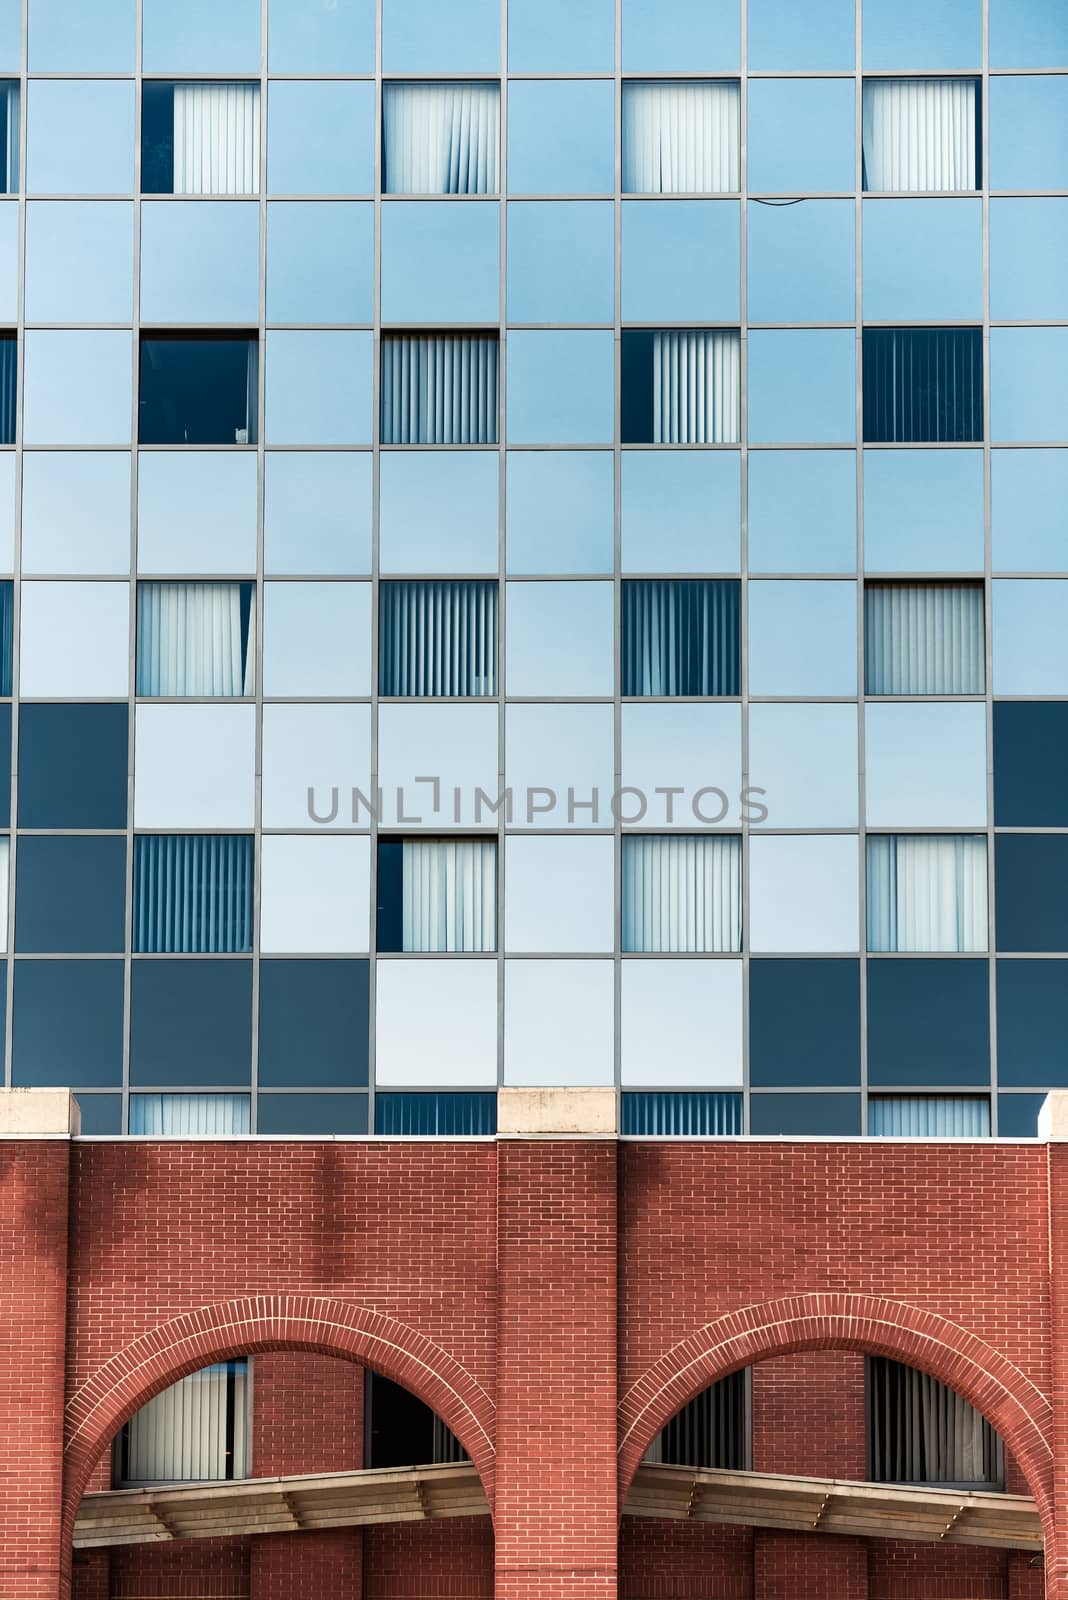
(10, 35)
(463, 242)
(1032, 1012)
(318, 387)
(313, 1023)
(67, 1024)
(560, 511)
(191, 1022)
(923, 511)
(1031, 764)
(1029, 382)
(801, 135)
(802, 1115)
(321, 36)
(1018, 1115)
(561, 261)
(70, 895)
(73, 766)
(1031, 887)
(816, 37)
(802, 637)
(802, 511)
(802, 387)
(1029, 490)
(681, 511)
(200, 261)
(928, 1023)
(561, 388)
(99, 236)
(443, 1115)
(558, 36)
(317, 512)
(61, 159)
(320, 261)
(1029, 133)
(192, 893)
(681, 1114)
(310, 1114)
(681, 36)
(561, 138)
(922, 35)
(439, 511)
(425, 36)
(1028, 33)
(817, 239)
(680, 261)
(923, 259)
(201, 36)
(77, 387)
(804, 1023)
(320, 138)
(100, 1114)
(1028, 248)
(69, 36)
(1030, 645)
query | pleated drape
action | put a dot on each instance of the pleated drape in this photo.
(921, 134)
(195, 639)
(216, 138)
(709, 1433)
(944, 1116)
(681, 636)
(194, 1432)
(697, 387)
(439, 389)
(449, 894)
(924, 638)
(682, 1114)
(438, 637)
(682, 893)
(923, 385)
(189, 1116)
(446, 1115)
(9, 366)
(441, 138)
(923, 1432)
(192, 893)
(927, 892)
(681, 138)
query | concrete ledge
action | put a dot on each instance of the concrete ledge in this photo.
(1053, 1117)
(38, 1113)
(542, 1112)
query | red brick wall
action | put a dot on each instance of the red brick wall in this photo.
(809, 1415)
(206, 1569)
(307, 1414)
(429, 1561)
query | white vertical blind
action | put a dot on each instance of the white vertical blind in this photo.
(449, 890)
(681, 138)
(924, 638)
(439, 389)
(189, 1116)
(924, 1432)
(939, 1116)
(697, 387)
(682, 893)
(216, 138)
(194, 639)
(441, 138)
(920, 134)
(184, 1434)
(927, 892)
(10, 173)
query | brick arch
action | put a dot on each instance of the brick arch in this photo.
(920, 1338)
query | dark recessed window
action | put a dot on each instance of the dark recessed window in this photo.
(681, 636)
(73, 766)
(402, 1431)
(675, 1114)
(710, 1433)
(922, 135)
(1031, 764)
(198, 388)
(301, 1115)
(9, 364)
(921, 1432)
(438, 636)
(804, 1023)
(313, 1023)
(7, 623)
(923, 385)
(681, 386)
(191, 1022)
(440, 138)
(71, 894)
(437, 895)
(439, 388)
(435, 1115)
(192, 893)
(9, 137)
(924, 638)
(194, 1432)
(200, 138)
(830, 1115)
(196, 639)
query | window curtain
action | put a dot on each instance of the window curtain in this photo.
(445, 1115)
(929, 1116)
(441, 138)
(189, 1116)
(681, 138)
(194, 1432)
(696, 387)
(9, 366)
(924, 638)
(193, 893)
(921, 134)
(7, 635)
(922, 1432)
(9, 135)
(682, 893)
(449, 894)
(438, 637)
(439, 389)
(923, 385)
(216, 138)
(664, 1114)
(709, 1433)
(926, 892)
(195, 639)
(681, 636)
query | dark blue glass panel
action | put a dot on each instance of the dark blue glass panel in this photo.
(8, 390)
(390, 895)
(7, 620)
(1031, 764)
(923, 385)
(101, 1113)
(72, 766)
(313, 1023)
(1018, 1115)
(67, 1024)
(1032, 1024)
(191, 1022)
(804, 1023)
(298, 1114)
(157, 138)
(444, 1115)
(198, 389)
(5, 766)
(928, 1023)
(1031, 891)
(70, 894)
(681, 637)
(678, 1114)
(830, 1114)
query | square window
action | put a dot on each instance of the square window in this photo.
(317, 639)
(561, 387)
(927, 34)
(680, 260)
(421, 36)
(1032, 1012)
(315, 895)
(681, 1020)
(75, 512)
(420, 370)
(197, 388)
(437, 895)
(200, 138)
(925, 766)
(929, 1023)
(681, 893)
(195, 766)
(556, 36)
(61, 164)
(193, 893)
(201, 36)
(200, 262)
(1029, 383)
(320, 261)
(65, 36)
(1029, 133)
(441, 138)
(75, 640)
(298, 1116)
(802, 511)
(305, 36)
(785, 38)
(558, 1022)
(681, 511)
(98, 235)
(923, 385)
(561, 137)
(318, 387)
(805, 759)
(464, 244)
(438, 638)
(561, 261)
(77, 388)
(924, 638)
(923, 259)
(1028, 240)
(561, 896)
(922, 135)
(802, 387)
(834, 1116)
(73, 766)
(1030, 644)
(681, 138)
(802, 638)
(817, 238)
(680, 386)
(1031, 764)
(71, 895)
(191, 1022)
(801, 135)
(804, 1023)
(313, 1023)
(436, 1023)
(457, 745)
(317, 512)
(927, 892)
(681, 765)
(314, 757)
(196, 511)
(560, 511)
(321, 138)
(439, 512)
(680, 36)
(560, 638)
(559, 766)
(804, 895)
(923, 510)
(681, 637)
(196, 639)
(67, 1024)
(1031, 891)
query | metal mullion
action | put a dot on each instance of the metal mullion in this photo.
(502, 522)
(376, 588)
(617, 572)
(259, 590)
(743, 533)
(984, 114)
(862, 797)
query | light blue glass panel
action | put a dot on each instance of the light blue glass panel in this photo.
(560, 511)
(200, 261)
(320, 138)
(689, 747)
(802, 638)
(554, 748)
(70, 36)
(314, 747)
(1028, 251)
(806, 759)
(317, 512)
(1029, 385)
(98, 236)
(681, 511)
(923, 510)
(561, 261)
(456, 743)
(321, 36)
(802, 511)
(681, 36)
(561, 138)
(75, 512)
(196, 511)
(425, 36)
(1029, 520)
(925, 766)
(10, 35)
(1028, 33)
(1029, 133)
(320, 261)
(561, 388)
(7, 509)
(1030, 648)
(318, 387)
(559, 638)
(558, 36)
(802, 387)
(922, 35)
(9, 261)
(680, 261)
(201, 36)
(923, 260)
(803, 895)
(801, 135)
(801, 262)
(438, 511)
(317, 639)
(440, 261)
(80, 137)
(78, 388)
(815, 37)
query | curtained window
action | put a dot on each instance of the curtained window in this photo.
(933, 1116)
(7, 635)
(196, 639)
(194, 1432)
(192, 893)
(9, 138)
(198, 388)
(9, 367)
(441, 138)
(921, 1432)
(921, 134)
(682, 893)
(439, 388)
(681, 387)
(711, 1432)
(445, 1116)
(681, 636)
(924, 638)
(438, 637)
(437, 894)
(189, 1116)
(927, 892)
(923, 385)
(200, 138)
(681, 138)
(681, 1114)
